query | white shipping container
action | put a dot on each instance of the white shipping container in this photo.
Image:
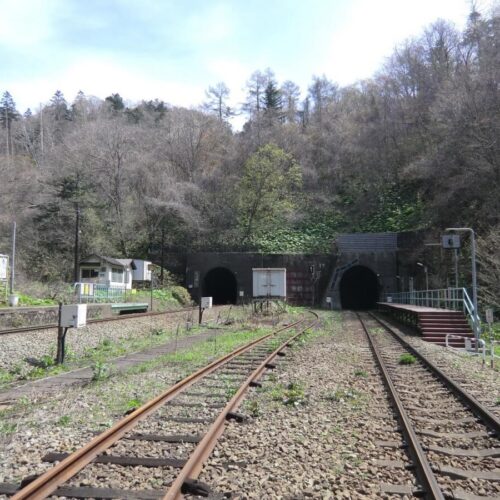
(142, 270)
(269, 282)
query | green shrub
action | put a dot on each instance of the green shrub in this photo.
(26, 300)
(133, 403)
(100, 371)
(291, 394)
(64, 421)
(407, 359)
(181, 295)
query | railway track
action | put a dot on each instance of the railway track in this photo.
(452, 440)
(25, 329)
(167, 440)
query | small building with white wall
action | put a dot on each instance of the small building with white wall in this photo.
(117, 273)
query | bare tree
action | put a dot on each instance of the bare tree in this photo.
(216, 103)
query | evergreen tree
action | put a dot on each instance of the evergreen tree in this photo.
(8, 114)
(272, 97)
(59, 107)
(116, 102)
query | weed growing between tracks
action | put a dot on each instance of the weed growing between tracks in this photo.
(407, 359)
(104, 400)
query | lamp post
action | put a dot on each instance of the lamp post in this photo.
(477, 327)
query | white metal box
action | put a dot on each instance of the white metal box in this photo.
(142, 271)
(269, 282)
(74, 315)
(4, 266)
(206, 302)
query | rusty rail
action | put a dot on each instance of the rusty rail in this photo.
(47, 483)
(203, 450)
(490, 419)
(24, 329)
(423, 469)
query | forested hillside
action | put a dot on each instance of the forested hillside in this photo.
(415, 146)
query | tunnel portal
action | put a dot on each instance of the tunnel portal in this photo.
(359, 288)
(220, 284)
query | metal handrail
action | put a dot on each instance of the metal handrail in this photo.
(443, 298)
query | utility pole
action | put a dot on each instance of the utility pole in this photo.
(162, 252)
(13, 259)
(41, 130)
(76, 268)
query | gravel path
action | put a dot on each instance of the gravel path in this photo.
(84, 376)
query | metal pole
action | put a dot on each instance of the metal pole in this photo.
(77, 246)
(151, 298)
(477, 327)
(13, 259)
(456, 267)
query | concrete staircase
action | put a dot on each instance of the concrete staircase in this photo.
(436, 325)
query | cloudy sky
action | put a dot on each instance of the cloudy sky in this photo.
(174, 49)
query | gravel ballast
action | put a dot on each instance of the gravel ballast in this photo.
(320, 427)
(15, 348)
(336, 441)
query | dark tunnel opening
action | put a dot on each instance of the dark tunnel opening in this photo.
(220, 284)
(359, 288)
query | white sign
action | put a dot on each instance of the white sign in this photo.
(328, 300)
(489, 316)
(451, 241)
(4, 265)
(206, 302)
(242, 293)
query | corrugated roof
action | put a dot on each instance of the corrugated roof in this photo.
(367, 242)
(111, 260)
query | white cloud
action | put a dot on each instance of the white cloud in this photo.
(372, 30)
(102, 77)
(214, 24)
(25, 23)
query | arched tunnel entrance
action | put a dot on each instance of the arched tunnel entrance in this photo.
(358, 288)
(220, 284)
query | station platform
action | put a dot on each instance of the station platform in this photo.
(409, 307)
(433, 324)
